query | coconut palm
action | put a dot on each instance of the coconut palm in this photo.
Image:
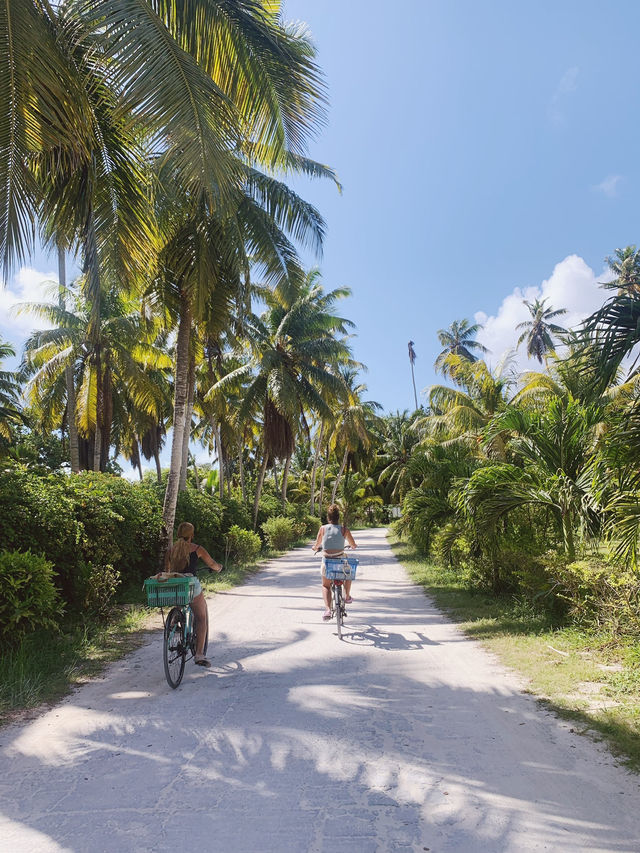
(459, 339)
(555, 449)
(460, 414)
(290, 343)
(355, 420)
(118, 356)
(539, 330)
(10, 412)
(398, 443)
(412, 361)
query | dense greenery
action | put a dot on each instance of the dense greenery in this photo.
(528, 484)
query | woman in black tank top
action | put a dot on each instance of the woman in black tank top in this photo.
(183, 558)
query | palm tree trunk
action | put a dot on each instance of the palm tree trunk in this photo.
(97, 441)
(324, 474)
(335, 485)
(241, 470)
(195, 472)
(413, 379)
(186, 436)
(285, 478)
(316, 458)
(275, 475)
(263, 471)
(156, 456)
(74, 448)
(179, 417)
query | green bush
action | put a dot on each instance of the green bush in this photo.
(36, 513)
(279, 532)
(29, 597)
(121, 522)
(204, 511)
(243, 546)
(598, 593)
(269, 506)
(234, 512)
(100, 586)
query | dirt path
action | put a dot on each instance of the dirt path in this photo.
(405, 736)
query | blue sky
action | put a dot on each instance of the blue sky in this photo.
(487, 151)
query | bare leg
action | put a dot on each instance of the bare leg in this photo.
(347, 588)
(326, 593)
(199, 607)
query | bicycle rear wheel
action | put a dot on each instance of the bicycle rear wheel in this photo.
(337, 593)
(174, 650)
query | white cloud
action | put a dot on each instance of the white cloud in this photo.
(572, 285)
(567, 85)
(609, 186)
(28, 285)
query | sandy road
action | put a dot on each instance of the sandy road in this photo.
(405, 736)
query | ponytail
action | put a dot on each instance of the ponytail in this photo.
(179, 556)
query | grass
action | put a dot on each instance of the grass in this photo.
(47, 666)
(586, 675)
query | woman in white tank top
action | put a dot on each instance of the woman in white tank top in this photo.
(331, 538)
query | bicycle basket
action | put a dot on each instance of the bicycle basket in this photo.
(340, 569)
(170, 592)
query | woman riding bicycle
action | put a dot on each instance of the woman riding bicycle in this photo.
(331, 538)
(183, 558)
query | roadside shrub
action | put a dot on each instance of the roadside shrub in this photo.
(204, 511)
(235, 513)
(29, 597)
(598, 593)
(120, 520)
(100, 586)
(279, 532)
(269, 506)
(243, 546)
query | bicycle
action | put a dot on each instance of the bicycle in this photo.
(338, 570)
(180, 634)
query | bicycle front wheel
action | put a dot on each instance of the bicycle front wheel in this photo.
(175, 650)
(337, 593)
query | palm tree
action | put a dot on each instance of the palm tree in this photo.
(625, 266)
(539, 330)
(459, 339)
(10, 413)
(354, 422)
(460, 414)
(291, 343)
(555, 449)
(398, 441)
(412, 361)
(118, 355)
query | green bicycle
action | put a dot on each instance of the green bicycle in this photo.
(180, 628)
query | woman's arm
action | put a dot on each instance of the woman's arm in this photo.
(349, 537)
(204, 556)
(318, 543)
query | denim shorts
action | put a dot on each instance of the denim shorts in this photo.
(197, 587)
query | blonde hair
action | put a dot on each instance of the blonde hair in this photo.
(179, 556)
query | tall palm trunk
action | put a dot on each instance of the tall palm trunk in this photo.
(275, 475)
(97, 441)
(316, 458)
(324, 475)
(285, 478)
(337, 482)
(195, 472)
(74, 448)
(256, 502)
(243, 487)
(220, 460)
(181, 394)
(156, 456)
(186, 436)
